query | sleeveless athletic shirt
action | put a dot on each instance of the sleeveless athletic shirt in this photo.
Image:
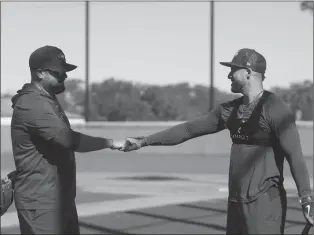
(256, 157)
(249, 132)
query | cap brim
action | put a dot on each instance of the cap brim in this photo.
(230, 64)
(69, 67)
(61, 68)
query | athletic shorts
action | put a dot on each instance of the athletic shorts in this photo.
(265, 215)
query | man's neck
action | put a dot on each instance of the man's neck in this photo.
(42, 88)
(252, 95)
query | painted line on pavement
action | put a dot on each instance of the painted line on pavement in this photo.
(106, 207)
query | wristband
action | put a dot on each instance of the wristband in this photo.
(144, 141)
(305, 199)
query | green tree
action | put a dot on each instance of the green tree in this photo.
(115, 100)
(72, 100)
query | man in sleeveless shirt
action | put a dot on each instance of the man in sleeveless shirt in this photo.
(264, 133)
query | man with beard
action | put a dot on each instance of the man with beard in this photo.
(263, 132)
(43, 147)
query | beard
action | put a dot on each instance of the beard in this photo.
(236, 87)
(58, 88)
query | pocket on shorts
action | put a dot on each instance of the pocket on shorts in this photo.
(273, 210)
(47, 213)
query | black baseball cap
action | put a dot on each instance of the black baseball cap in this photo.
(248, 58)
(50, 57)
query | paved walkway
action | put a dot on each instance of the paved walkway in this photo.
(151, 203)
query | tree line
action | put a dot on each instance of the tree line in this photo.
(117, 100)
(114, 100)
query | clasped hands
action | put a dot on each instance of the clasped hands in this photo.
(129, 144)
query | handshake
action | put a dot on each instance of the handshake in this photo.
(129, 144)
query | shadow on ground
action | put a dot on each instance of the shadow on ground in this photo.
(206, 217)
(203, 217)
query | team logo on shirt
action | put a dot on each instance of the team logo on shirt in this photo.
(239, 137)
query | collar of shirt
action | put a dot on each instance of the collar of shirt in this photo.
(40, 87)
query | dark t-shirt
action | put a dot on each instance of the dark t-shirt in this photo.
(253, 169)
(46, 174)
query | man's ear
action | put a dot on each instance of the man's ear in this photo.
(40, 74)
